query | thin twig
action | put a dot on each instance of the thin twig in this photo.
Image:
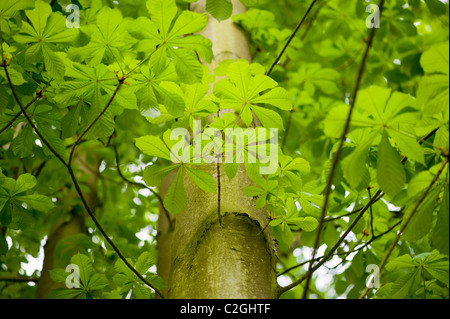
(355, 249)
(405, 224)
(375, 199)
(332, 250)
(38, 96)
(291, 38)
(74, 180)
(22, 108)
(339, 149)
(140, 185)
(18, 279)
(105, 235)
(121, 81)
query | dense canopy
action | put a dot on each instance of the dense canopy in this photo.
(360, 105)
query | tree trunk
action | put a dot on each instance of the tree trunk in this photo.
(63, 229)
(204, 257)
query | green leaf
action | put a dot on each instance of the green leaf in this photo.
(401, 262)
(6, 214)
(406, 284)
(231, 170)
(436, 7)
(202, 179)
(219, 9)
(70, 122)
(307, 224)
(70, 245)
(187, 66)
(408, 145)
(268, 118)
(188, 22)
(277, 97)
(420, 224)
(97, 282)
(23, 183)
(252, 191)
(419, 183)
(435, 60)
(175, 200)
(355, 166)
(59, 275)
(153, 175)
(39, 202)
(38, 16)
(374, 100)
(437, 267)
(391, 175)
(52, 137)
(440, 237)
(9, 8)
(146, 260)
(63, 293)
(153, 146)
(85, 265)
(162, 13)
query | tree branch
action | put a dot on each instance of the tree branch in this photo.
(140, 185)
(72, 175)
(332, 250)
(338, 151)
(38, 96)
(405, 224)
(18, 279)
(72, 151)
(374, 199)
(23, 111)
(291, 38)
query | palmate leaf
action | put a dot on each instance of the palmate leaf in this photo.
(108, 37)
(151, 94)
(167, 36)
(241, 91)
(46, 28)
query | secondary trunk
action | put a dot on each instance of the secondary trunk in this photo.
(201, 257)
(64, 229)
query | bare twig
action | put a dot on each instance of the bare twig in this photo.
(291, 38)
(140, 185)
(72, 151)
(339, 149)
(18, 279)
(72, 175)
(38, 96)
(405, 224)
